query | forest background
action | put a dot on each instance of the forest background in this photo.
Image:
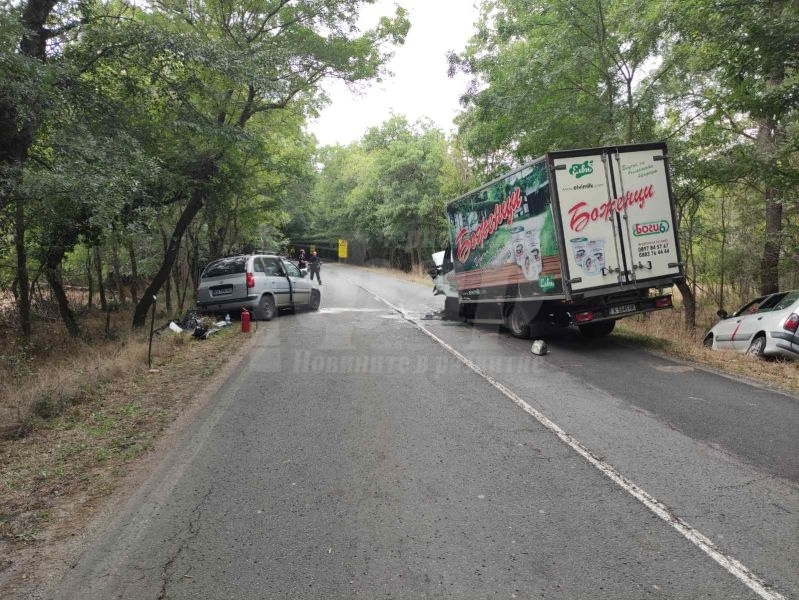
(140, 140)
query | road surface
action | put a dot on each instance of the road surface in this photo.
(373, 450)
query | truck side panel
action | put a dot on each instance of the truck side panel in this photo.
(504, 242)
(617, 214)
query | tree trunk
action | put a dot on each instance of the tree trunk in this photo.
(723, 249)
(168, 282)
(193, 259)
(689, 303)
(52, 272)
(89, 279)
(204, 172)
(134, 273)
(770, 264)
(23, 280)
(117, 275)
(98, 267)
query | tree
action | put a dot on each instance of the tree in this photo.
(386, 193)
(562, 74)
(239, 61)
(738, 72)
(25, 85)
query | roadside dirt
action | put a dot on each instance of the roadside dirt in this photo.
(69, 473)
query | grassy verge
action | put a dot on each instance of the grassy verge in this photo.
(665, 332)
(90, 414)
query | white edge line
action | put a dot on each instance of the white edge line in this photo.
(729, 563)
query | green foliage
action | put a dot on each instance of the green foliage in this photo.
(562, 74)
(387, 192)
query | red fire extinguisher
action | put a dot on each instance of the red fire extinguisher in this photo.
(245, 320)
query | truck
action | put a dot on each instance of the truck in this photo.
(574, 238)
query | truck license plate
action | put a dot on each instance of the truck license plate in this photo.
(620, 310)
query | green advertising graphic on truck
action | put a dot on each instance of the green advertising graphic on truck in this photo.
(581, 237)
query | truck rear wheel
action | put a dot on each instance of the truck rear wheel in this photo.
(517, 322)
(597, 330)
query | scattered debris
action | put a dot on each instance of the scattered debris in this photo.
(175, 327)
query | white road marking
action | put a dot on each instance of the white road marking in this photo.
(674, 368)
(335, 310)
(729, 563)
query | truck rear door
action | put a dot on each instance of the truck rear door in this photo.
(616, 211)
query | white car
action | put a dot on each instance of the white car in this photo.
(766, 326)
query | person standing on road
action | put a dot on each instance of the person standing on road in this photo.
(316, 267)
(302, 262)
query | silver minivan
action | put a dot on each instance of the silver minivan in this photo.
(261, 283)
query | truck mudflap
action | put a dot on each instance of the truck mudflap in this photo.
(582, 314)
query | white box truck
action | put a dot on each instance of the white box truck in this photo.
(578, 237)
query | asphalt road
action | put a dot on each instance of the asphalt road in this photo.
(354, 455)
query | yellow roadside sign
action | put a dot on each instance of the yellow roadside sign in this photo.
(342, 248)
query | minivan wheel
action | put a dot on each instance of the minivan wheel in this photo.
(316, 299)
(757, 347)
(266, 308)
(708, 341)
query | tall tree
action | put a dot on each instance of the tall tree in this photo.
(560, 74)
(24, 85)
(738, 71)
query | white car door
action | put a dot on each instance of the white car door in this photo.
(726, 331)
(279, 283)
(752, 321)
(300, 286)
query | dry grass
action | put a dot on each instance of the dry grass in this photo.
(418, 274)
(88, 407)
(54, 369)
(665, 331)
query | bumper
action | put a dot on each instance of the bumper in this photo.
(215, 305)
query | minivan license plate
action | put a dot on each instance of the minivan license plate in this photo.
(221, 291)
(620, 310)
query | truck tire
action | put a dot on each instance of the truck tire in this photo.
(597, 330)
(517, 322)
(452, 307)
(266, 310)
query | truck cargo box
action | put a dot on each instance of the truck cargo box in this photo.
(569, 225)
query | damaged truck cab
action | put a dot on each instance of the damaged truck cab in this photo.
(579, 237)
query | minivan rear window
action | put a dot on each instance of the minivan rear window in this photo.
(226, 266)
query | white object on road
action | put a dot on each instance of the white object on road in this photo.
(540, 348)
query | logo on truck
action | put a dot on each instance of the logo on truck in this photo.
(466, 242)
(582, 215)
(651, 228)
(582, 169)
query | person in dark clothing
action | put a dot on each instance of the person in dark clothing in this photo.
(302, 262)
(316, 267)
